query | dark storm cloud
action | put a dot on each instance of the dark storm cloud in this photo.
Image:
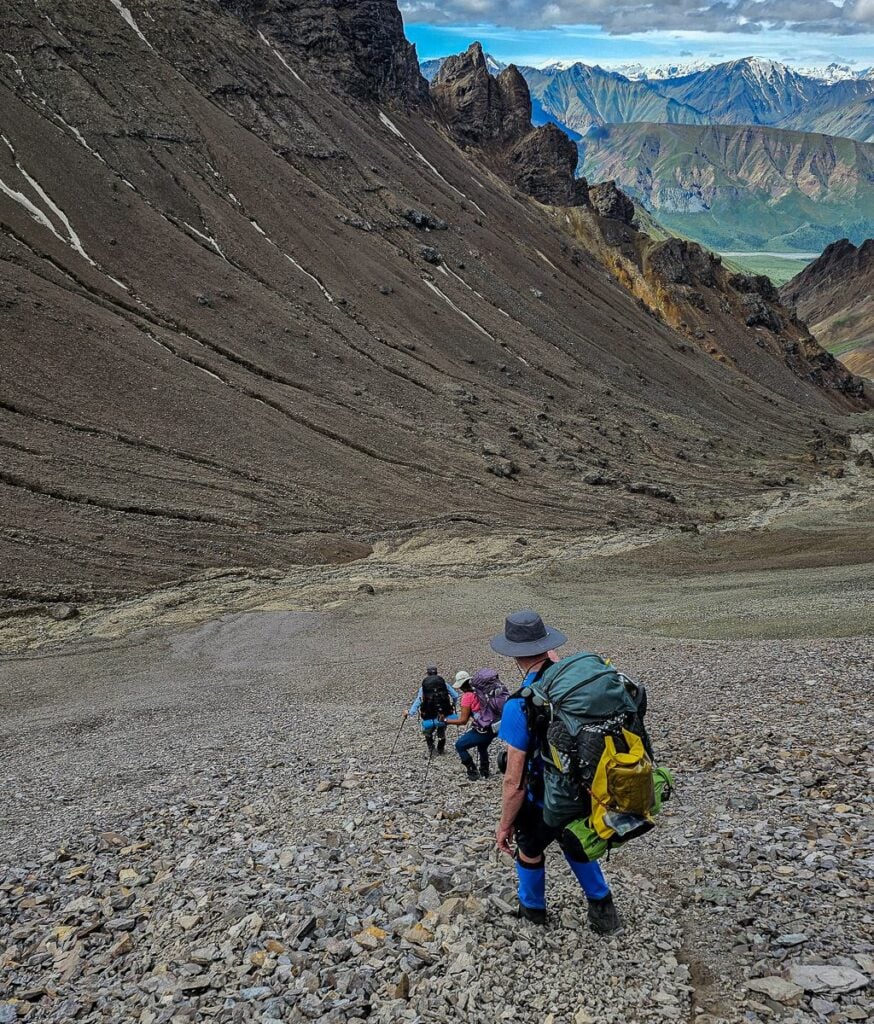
(620, 17)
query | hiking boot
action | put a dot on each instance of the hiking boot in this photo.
(536, 915)
(603, 917)
(484, 772)
(472, 772)
(441, 746)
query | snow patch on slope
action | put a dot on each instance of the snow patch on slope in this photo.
(79, 137)
(393, 128)
(278, 55)
(457, 309)
(292, 260)
(73, 239)
(128, 18)
(207, 238)
(312, 277)
(17, 66)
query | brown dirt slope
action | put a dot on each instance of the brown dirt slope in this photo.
(228, 338)
(835, 296)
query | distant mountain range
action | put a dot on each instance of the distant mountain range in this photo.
(748, 91)
(670, 137)
(739, 186)
(638, 71)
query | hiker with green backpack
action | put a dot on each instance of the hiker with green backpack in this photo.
(579, 766)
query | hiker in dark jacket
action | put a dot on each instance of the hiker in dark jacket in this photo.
(532, 645)
(482, 713)
(435, 699)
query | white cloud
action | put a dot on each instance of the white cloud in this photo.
(622, 17)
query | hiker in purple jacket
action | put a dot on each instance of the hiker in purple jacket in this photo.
(482, 701)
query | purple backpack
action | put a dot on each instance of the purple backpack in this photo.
(492, 696)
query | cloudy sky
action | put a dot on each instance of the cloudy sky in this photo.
(615, 31)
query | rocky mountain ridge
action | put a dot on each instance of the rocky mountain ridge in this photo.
(731, 317)
(678, 280)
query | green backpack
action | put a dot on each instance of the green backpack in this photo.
(576, 703)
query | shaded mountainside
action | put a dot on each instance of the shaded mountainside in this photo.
(259, 308)
(581, 96)
(834, 295)
(854, 120)
(740, 187)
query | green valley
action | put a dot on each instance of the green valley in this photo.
(738, 187)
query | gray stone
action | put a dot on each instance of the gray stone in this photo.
(778, 989)
(827, 978)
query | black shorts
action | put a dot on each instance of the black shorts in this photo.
(533, 835)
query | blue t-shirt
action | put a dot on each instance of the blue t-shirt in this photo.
(514, 732)
(514, 729)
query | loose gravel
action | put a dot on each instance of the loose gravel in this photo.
(274, 863)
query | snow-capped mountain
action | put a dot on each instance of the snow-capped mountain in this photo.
(638, 72)
(833, 72)
(758, 91)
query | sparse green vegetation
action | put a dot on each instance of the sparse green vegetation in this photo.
(840, 348)
(780, 269)
(740, 187)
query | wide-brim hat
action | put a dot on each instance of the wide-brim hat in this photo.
(525, 635)
(462, 677)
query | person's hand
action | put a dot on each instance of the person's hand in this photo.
(504, 839)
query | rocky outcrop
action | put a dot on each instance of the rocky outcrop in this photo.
(834, 295)
(493, 115)
(678, 261)
(611, 202)
(362, 44)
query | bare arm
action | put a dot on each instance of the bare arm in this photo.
(512, 797)
(462, 718)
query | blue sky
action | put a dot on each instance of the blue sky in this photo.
(529, 39)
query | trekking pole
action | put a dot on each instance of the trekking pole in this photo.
(427, 766)
(403, 723)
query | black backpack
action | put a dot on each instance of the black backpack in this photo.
(435, 697)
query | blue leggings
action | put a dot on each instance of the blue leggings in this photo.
(470, 739)
(533, 836)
